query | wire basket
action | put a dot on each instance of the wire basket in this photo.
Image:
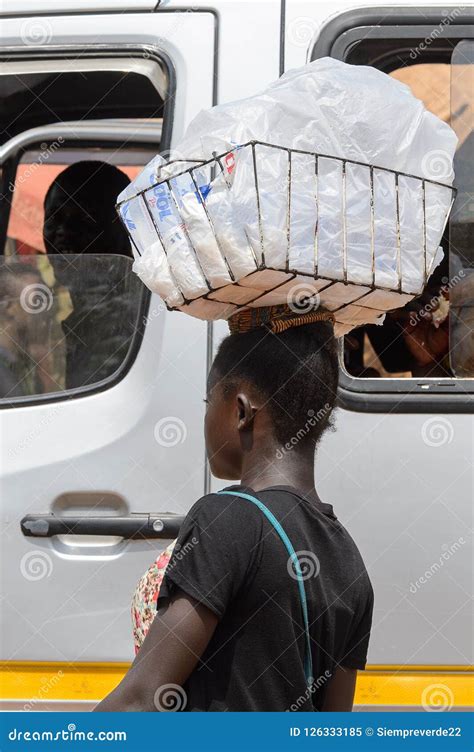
(262, 224)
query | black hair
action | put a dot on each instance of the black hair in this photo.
(91, 176)
(81, 200)
(295, 370)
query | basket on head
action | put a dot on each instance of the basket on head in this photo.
(262, 224)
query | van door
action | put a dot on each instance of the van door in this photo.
(398, 468)
(91, 462)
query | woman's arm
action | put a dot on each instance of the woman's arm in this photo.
(176, 640)
(340, 692)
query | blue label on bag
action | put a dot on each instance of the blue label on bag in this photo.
(164, 199)
(205, 191)
(124, 210)
(160, 201)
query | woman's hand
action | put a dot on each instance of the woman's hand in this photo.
(176, 640)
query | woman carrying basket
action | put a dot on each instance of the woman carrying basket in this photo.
(265, 604)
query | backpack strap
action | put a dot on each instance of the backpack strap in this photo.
(308, 661)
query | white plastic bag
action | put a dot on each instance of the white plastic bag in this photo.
(337, 221)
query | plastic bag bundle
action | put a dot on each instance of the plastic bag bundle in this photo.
(324, 184)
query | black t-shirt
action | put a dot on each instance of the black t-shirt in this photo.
(229, 557)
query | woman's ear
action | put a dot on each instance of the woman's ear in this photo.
(245, 412)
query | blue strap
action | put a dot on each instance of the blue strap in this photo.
(308, 661)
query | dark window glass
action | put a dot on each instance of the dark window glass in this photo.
(66, 321)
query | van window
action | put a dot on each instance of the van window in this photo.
(433, 336)
(70, 306)
(413, 341)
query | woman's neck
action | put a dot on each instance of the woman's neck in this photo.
(279, 468)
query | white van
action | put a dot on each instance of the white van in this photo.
(97, 475)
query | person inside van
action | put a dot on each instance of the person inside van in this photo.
(80, 218)
(413, 340)
(79, 210)
(265, 604)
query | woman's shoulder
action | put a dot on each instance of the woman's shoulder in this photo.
(223, 509)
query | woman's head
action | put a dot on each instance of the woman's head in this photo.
(271, 391)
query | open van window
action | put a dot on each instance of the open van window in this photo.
(430, 343)
(432, 337)
(414, 342)
(71, 324)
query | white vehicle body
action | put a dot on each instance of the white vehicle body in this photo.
(404, 493)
